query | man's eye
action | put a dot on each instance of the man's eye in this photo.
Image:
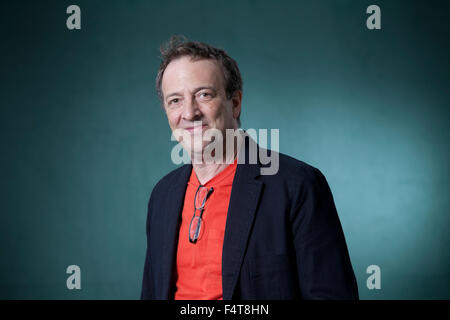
(173, 101)
(205, 95)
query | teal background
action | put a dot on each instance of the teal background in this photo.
(84, 139)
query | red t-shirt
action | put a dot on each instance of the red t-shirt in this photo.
(199, 265)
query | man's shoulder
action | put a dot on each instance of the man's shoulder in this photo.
(296, 177)
(170, 179)
(291, 168)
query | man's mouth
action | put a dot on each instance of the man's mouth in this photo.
(196, 128)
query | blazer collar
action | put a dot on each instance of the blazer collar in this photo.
(244, 198)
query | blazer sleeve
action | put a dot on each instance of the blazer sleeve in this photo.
(147, 292)
(323, 262)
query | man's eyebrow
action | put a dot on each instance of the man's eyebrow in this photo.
(204, 87)
(172, 94)
(195, 90)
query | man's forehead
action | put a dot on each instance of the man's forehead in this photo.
(186, 71)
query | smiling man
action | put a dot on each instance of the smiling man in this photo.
(223, 229)
(197, 100)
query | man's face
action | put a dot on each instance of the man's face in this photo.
(195, 91)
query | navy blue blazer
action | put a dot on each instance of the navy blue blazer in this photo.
(283, 238)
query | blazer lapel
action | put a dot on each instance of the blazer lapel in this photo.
(244, 199)
(173, 206)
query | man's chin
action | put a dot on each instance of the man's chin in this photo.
(199, 150)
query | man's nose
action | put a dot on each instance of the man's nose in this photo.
(191, 111)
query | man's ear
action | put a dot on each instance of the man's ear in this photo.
(236, 99)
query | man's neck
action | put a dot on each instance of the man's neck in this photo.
(207, 171)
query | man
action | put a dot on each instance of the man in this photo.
(222, 229)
